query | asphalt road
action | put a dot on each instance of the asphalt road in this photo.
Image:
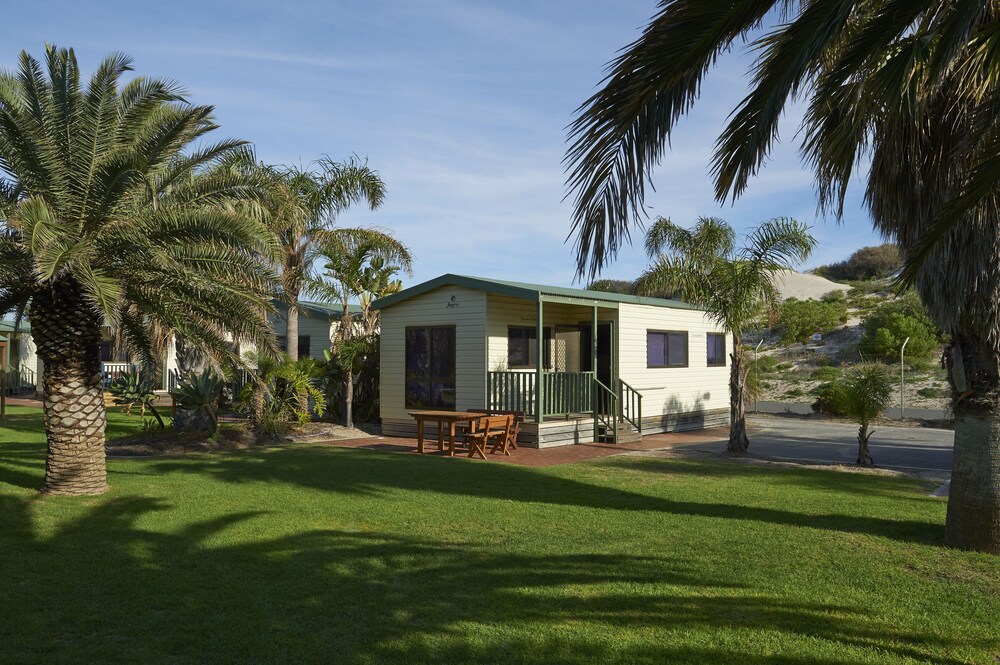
(911, 449)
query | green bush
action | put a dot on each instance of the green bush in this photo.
(866, 263)
(829, 399)
(826, 373)
(764, 364)
(934, 393)
(892, 322)
(799, 319)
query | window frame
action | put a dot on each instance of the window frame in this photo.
(725, 349)
(666, 353)
(431, 378)
(547, 336)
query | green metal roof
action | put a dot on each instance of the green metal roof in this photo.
(8, 326)
(524, 291)
(324, 308)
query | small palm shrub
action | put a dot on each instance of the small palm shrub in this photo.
(285, 394)
(196, 398)
(133, 388)
(864, 393)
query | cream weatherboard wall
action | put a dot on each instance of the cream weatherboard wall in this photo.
(673, 397)
(447, 306)
(317, 326)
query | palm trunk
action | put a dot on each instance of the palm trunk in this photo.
(257, 406)
(349, 399)
(973, 520)
(67, 333)
(292, 329)
(738, 441)
(864, 455)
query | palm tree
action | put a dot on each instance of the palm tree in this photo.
(911, 86)
(735, 286)
(360, 263)
(111, 217)
(863, 395)
(302, 207)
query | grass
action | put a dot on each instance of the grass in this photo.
(351, 556)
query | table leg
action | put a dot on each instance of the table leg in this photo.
(451, 439)
(420, 436)
(440, 435)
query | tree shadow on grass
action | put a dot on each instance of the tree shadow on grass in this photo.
(111, 586)
(720, 467)
(365, 472)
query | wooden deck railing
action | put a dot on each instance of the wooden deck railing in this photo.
(563, 392)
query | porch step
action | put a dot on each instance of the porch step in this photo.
(626, 434)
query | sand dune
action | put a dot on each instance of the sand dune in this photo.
(804, 286)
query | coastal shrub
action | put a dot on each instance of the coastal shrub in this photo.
(827, 373)
(801, 318)
(888, 326)
(866, 263)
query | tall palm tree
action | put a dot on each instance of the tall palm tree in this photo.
(736, 286)
(911, 85)
(302, 208)
(359, 263)
(112, 216)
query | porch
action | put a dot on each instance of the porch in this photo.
(567, 407)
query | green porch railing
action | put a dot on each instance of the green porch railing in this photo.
(566, 393)
(607, 411)
(631, 403)
(563, 392)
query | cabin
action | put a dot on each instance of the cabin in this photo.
(318, 325)
(21, 373)
(583, 365)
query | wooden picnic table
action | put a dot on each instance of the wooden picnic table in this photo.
(449, 418)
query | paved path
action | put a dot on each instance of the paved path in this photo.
(913, 449)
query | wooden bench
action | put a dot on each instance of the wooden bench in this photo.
(515, 429)
(497, 428)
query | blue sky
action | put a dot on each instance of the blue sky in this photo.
(461, 105)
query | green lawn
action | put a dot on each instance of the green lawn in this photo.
(349, 556)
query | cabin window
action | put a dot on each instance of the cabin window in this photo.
(522, 350)
(666, 348)
(430, 368)
(716, 349)
(303, 344)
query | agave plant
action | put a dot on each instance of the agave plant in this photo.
(133, 388)
(196, 398)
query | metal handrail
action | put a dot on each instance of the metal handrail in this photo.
(631, 401)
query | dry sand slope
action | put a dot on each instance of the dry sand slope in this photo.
(803, 286)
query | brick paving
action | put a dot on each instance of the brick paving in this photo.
(24, 401)
(543, 456)
(522, 456)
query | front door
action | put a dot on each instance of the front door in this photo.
(604, 356)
